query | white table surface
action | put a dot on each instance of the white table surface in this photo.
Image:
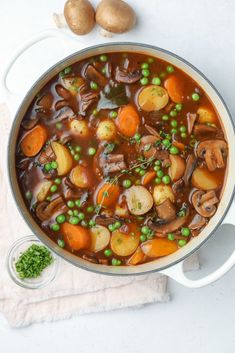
(201, 320)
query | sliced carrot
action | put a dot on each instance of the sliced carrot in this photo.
(159, 247)
(148, 177)
(174, 88)
(33, 141)
(75, 236)
(136, 258)
(108, 194)
(128, 120)
(179, 145)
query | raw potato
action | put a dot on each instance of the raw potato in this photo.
(106, 130)
(125, 244)
(63, 158)
(139, 200)
(136, 258)
(177, 168)
(42, 190)
(206, 115)
(153, 98)
(79, 127)
(80, 16)
(161, 193)
(100, 237)
(80, 177)
(159, 247)
(203, 179)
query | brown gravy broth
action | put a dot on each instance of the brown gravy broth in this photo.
(121, 159)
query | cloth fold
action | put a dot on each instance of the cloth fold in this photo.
(74, 291)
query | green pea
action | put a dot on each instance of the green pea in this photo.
(158, 162)
(90, 209)
(78, 149)
(91, 223)
(145, 230)
(137, 136)
(166, 143)
(173, 113)
(174, 150)
(185, 231)
(142, 172)
(156, 168)
(144, 81)
(145, 72)
(91, 151)
(143, 238)
(74, 220)
(54, 164)
(117, 225)
(55, 227)
(183, 135)
(108, 252)
(47, 167)
(174, 131)
(70, 204)
(158, 180)
(59, 126)
(137, 170)
(195, 97)
(166, 179)
(76, 157)
(170, 69)
(126, 183)
(57, 181)
(116, 262)
(165, 117)
(93, 85)
(156, 81)
(75, 212)
(103, 58)
(70, 212)
(145, 66)
(95, 112)
(60, 218)
(174, 123)
(78, 203)
(171, 236)
(48, 198)
(113, 114)
(28, 195)
(182, 128)
(178, 107)
(53, 188)
(111, 227)
(61, 243)
(81, 216)
(160, 173)
(182, 242)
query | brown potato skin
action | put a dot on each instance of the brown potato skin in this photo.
(80, 16)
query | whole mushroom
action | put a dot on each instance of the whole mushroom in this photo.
(80, 16)
(205, 202)
(115, 16)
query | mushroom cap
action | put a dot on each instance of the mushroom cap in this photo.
(204, 203)
(80, 16)
(213, 152)
(115, 16)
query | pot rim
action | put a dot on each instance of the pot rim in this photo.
(71, 258)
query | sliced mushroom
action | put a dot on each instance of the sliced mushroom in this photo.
(92, 74)
(191, 118)
(112, 163)
(45, 210)
(190, 166)
(203, 129)
(45, 101)
(86, 99)
(152, 131)
(62, 92)
(213, 151)
(204, 202)
(103, 220)
(197, 222)
(169, 227)
(166, 211)
(178, 186)
(128, 77)
(47, 155)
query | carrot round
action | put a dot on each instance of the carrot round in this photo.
(76, 236)
(33, 141)
(148, 177)
(128, 120)
(108, 194)
(174, 88)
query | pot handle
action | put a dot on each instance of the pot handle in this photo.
(176, 272)
(49, 33)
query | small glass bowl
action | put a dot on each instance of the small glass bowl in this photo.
(47, 275)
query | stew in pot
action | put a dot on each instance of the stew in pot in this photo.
(121, 159)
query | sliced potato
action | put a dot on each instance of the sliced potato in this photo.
(161, 193)
(139, 200)
(79, 128)
(100, 237)
(177, 168)
(159, 247)
(125, 244)
(206, 115)
(153, 98)
(43, 189)
(106, 130)
(63, 158)
(205, 180)
(136, 258)
(81, 177)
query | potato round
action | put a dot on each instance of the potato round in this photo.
(63, 158)
(206, 115)
(81, 177)
(124, 244)
(100, 237)
(177, 167)
(153, 98)
(205, 180)
(79, 127)
(161, 193)
(43, 189)
(80, 16)
(106, 130)
(139, 200)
